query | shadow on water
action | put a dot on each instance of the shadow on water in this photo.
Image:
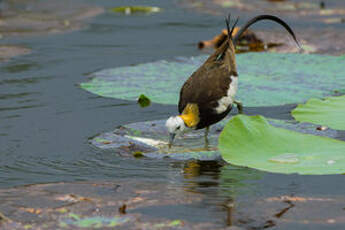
(17, 68)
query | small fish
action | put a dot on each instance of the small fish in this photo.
(149, 141)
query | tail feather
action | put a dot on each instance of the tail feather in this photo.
(265, 17)
(222, 50)
(233, 26)
(227, 21)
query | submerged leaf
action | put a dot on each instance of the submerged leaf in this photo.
(265, 79)
(253, 142)
(329, 112)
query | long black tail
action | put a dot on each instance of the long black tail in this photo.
(264, 17)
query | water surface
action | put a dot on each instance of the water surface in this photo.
(46, 119)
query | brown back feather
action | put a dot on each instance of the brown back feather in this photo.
(211, 81)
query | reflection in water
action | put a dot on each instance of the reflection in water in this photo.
(225, 187)
(23, 81)
(20, 91)
(16, 68)
(204, 177)
(15, 95)
(229, 206)
(195, 172)
(19, 107)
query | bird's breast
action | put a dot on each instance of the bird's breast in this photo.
(229, 96)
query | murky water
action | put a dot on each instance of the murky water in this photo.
(46, 119)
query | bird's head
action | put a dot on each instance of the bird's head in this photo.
(175, 126)
(189, 119)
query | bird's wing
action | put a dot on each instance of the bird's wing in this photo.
(205, 86)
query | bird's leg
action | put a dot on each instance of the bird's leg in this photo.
(206, 138)
(239, 106)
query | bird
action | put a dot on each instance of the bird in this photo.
(208, 95)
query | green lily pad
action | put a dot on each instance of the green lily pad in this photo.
(135, 9)
(329, 112)
(150, 139)
(75, 220)
(266, 79)
(253, 142)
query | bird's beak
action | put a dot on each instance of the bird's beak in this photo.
(171, 139)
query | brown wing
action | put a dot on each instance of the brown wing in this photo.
(211, 81)
(205, 87)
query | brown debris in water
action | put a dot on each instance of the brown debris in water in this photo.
(122, 209)
(321, 128)
(59, 206)
(248, 42)
(4, 218)
(297, 199)
(10, 51)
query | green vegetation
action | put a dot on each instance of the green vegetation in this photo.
(253, 142)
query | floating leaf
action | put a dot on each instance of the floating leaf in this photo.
(93, 222)
(150, 139)
(62, 210)
(174, 223)
(143, 101)
(74, 216)
(329, 112)
(138, 154)
(135, 9)
(253, 142)
(266, 79)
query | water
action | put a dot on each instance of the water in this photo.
(46, 120)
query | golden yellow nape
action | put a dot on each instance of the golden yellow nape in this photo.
(190, 115)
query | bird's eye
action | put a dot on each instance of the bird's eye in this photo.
(178, 127)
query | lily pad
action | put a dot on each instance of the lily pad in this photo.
(329, 112)
(253, 142)
(266, 79)
(150, 139)
(95, 222)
